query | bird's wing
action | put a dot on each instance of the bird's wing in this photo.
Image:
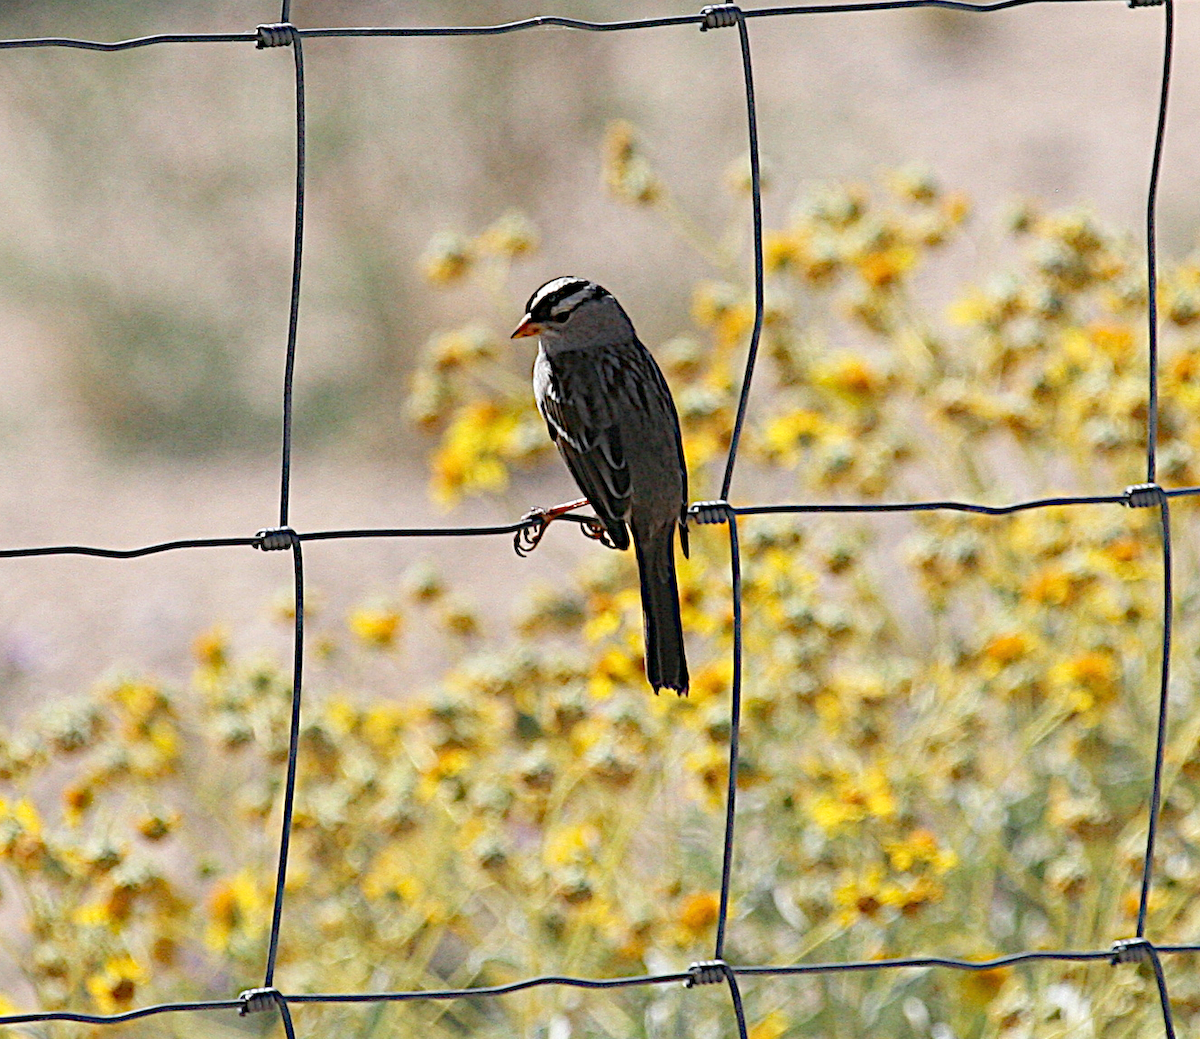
(591, 446)
(665, 395)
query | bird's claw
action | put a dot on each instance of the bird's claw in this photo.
(536, 520)
(594, 529)
(529, 537)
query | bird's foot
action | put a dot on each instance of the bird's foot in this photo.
(529, 537)
(597, 531)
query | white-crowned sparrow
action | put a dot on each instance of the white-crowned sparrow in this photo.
(609, 410)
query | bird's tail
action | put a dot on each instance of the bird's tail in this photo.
(666, 663)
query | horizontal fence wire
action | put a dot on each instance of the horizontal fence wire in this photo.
(284, 34)
(539, 22)
(698, 510)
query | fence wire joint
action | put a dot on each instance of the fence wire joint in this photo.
(1143, 495)
(710, 512)
(256, 1000)
(706, 972)
(277, 34)
(1132, 950)
(275, 539)
(725, 16)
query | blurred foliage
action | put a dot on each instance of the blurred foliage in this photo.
(948, 720)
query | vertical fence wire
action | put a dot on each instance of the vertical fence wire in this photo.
(289, 793)
(289, 790)
(289, 374)
(756, 211)
(1160, 134)
(1160, 740)
(1168, 604)
(735, 716)
(1164, 997)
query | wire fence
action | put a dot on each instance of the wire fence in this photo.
(1139, 947)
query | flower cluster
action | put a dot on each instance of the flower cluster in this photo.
(947, 720)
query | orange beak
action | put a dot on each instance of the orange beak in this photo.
(528, 327)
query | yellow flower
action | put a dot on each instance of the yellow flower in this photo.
(882, 268)
(1095, 670)
(92, 914)
(376, 627)
(784, 436)
(211, 648)
(1051, 585)
(616, 667)
(724, 308)
(24, 814)
(461, 348)
(577, 844)
(698, 912)
(113, 988)
(913, 894)
(159, 752)
(1087, 681)
(474, 451)
(447, 258)
(851, 377)
(459, 619)
(392, 876)
(710, 765)
(713, 680)
(140, 702)
(157, 825)
(77, 799)
(974, 309)
(1122, 556)
(920, 848)
(854, 800)
(782, 251)
(860, 895)
(1008, 647)
(631, 942)
(980, 987)
(382, 724)
(511, 236)
(1114, 340)
(914, 183)
(626, 172)
(424, 583)
(956, 207)
(839, 206)
(237, 906)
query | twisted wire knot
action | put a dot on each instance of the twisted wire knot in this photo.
(274, 539)
(1143, 495)
(277, 34)
(706, 972)
(256, 1000)
(1131, 950)
(710, 512)
(724, 16)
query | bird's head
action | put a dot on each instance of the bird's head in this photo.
(570, 307)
